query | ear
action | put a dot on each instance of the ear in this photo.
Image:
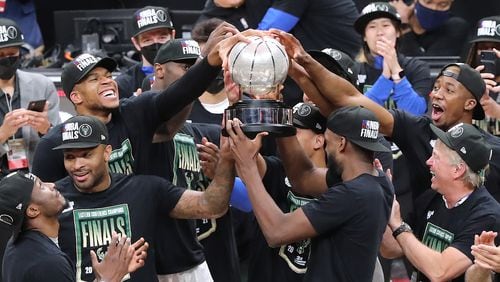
(135, 41)
(75, 97)
(319, 142)
(342, 144)
(159, 72)
(173, 33)
(32, 211)
(459, 171)
(107, 153)
(470, 104)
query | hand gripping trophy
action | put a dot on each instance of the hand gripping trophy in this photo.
(259, 68)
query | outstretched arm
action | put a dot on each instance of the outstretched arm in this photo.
(278, 228)
(337, 91)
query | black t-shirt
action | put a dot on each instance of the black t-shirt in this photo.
(129, 80)
(132, 205)
(35, 257)
(415, 139)
(448, 40)
(350, 219)
(216, 235)
(439, 227)
(287, 262)
(200, 115)
(131, 127)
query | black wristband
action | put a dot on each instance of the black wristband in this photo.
(401, 74)
(404, 227)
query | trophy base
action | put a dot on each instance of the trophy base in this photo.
(275, 130)
(262, 115)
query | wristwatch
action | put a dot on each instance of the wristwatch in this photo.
(404, 227)
(398, 76)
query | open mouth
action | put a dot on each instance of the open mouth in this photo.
(437, 112)
(108, 94)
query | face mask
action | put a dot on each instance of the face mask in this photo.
(149, 52)
(8, 66)
(378, 62)
(430, 19)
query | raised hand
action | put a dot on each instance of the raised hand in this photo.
(405, 11)
(208, 154)
(114, 265)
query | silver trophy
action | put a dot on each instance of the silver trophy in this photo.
(259, 68)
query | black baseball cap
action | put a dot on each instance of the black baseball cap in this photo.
(15, 196)
(468, 142)
(373, 11)
(10, 34)
(358, 125)
(337, 62)
(83, 132)
(177, 50)
(470, 79)
(307, 116)
(151, 17)
(487, 30)
(74, 71)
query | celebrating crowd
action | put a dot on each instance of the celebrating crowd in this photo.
(386, 162)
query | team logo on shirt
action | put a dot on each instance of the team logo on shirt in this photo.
(437, 238)
(121, 159)
(187, 173)
(296, 254)
(93, 228)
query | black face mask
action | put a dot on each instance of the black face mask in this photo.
(8, 66)
(149, 52)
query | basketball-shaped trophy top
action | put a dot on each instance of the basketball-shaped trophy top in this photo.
(258, 66)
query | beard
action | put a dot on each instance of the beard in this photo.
(334, 169)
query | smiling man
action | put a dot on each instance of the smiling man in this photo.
(87, 82)
(448, 216)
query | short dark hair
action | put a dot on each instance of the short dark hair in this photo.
(201, 31)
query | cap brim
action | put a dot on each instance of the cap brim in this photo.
(372, 146)
(13, 44)
(106, 63)
(76, 145)
(328, 62)
(441, 135)
(362, 21)
(153, 27)
(299, 124)
(485, 39)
